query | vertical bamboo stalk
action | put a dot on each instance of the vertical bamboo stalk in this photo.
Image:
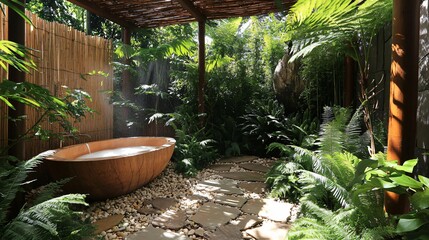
(403, 92)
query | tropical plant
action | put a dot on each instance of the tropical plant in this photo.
(45, 217)
(265, 123)
(341, 26)
(64, 111)
(193, 150)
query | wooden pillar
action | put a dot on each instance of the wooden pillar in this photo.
(88, 29)
(16, 26)
(403, 92)
(201, 67)
(348, 81)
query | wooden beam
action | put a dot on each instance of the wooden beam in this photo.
(103, 13)
(401, 139)
(16, 129)
(201, 68)
(193, 10)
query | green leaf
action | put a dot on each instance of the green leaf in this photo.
(420, 200)
(410, 224)
(408, 166)
(424, 180)
(406, 181)
(7, 102)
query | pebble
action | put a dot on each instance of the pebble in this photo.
(168, 184)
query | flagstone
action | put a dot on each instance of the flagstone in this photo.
(221, 167)
(148, 211)
(269, 208)
(107, 223)
(243, 176)
(270, 231)
(228, 232)
(247, 221)
(224, 186)
(171, 219)
(230, 200)
(254, 187)
(239, 159)
(156, 234)
(163, 203)
(212, 215)
(255, 167)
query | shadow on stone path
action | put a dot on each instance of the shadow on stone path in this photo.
(227, 201)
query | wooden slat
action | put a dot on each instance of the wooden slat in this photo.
(157, 13)
(62, 56)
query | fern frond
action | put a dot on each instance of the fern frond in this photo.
(309, 228)
(11, 180)
(48, 191)
(339, 193)
(51, 219)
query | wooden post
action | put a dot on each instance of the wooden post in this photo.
(201, 68)
(348, 81)
(403, 92)
(16, 26)
(88, 29)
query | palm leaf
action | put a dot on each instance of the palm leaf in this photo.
(313, 23)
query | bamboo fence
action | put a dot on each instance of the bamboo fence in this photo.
(63, 56)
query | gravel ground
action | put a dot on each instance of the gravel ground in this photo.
(168, 184)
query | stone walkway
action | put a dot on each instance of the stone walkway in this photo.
(227, 201)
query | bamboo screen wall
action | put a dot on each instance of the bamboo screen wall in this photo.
(63, 56)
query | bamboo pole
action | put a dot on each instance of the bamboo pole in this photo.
(403, 92)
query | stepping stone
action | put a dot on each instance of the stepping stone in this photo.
(243, 176)
(174, 220)
(230, 200)
(221, 167)
(219, 186)
(238, 159)
(268, 208)
(254, 187)
(270, 231)
(212, 215)
(228, 232)
(107, 223)
(156, 234)
(148, 211)
(255, 167)
(197, 197)
(247, 221)
(163, 203)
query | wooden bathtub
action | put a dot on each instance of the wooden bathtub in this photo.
(105, 177)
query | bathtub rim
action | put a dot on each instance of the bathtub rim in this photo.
(169, 143)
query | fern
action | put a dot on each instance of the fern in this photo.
(52, 218)
(11, 179)
(48, 218)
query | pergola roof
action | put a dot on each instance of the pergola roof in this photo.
(157, 13)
